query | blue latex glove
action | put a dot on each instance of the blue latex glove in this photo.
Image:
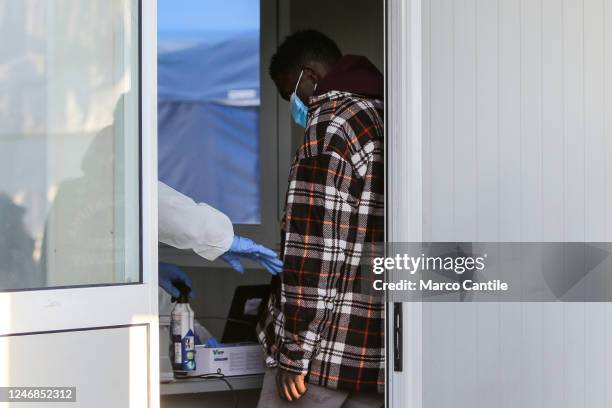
(246, 248)
(212, 342)
(169, 275)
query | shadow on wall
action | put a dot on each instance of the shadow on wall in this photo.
(83, 231)
(18, 268)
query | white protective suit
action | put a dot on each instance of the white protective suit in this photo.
(185, 224)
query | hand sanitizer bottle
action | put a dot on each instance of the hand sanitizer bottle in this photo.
(183, 338)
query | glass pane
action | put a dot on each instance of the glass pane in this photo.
(69, 143)
(208, 101)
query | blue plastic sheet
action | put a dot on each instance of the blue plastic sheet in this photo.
(208, 121)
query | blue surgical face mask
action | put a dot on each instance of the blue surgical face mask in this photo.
(299, 110)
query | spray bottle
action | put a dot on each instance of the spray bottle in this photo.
(183, 339)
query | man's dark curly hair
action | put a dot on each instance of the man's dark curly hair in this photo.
(302, 46)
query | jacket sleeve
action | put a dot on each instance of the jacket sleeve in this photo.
(320, 234)
(185, 224)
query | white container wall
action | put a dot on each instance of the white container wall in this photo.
(517, 146)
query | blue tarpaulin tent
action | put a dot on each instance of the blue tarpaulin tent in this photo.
(208, 121)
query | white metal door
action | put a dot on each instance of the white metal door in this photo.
(78, 200)
(403, 198)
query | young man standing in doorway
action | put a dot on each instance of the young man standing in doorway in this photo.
(323, 330)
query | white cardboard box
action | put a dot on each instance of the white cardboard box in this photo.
(234, 359)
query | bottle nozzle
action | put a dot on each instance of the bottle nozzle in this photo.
(185, 291)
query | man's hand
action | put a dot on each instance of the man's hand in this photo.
(290, 386)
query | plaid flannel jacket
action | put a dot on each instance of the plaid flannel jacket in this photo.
(320, 321)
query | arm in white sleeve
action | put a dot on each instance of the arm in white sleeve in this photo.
(184, 224)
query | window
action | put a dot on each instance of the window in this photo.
(208, 103)
(69, 143)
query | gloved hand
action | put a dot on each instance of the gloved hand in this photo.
(246, 248)
(169, 276)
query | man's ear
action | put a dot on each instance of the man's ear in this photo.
(313, 71)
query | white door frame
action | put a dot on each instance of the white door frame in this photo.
(95, 307)
(403, 177)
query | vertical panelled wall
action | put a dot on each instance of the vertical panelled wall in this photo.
(518, 120)
(517, 146)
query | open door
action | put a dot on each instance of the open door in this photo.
(78, 201)
(404, 191)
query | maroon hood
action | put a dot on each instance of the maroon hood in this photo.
(354, 74)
